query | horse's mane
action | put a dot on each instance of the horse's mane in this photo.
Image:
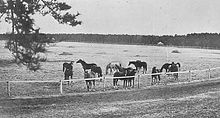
(132, 62)
(121, 69)
(80, 60)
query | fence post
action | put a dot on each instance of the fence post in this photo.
(61, 87)
(138, 81)
(209, 73)
(189, 76)
(104, 83)
(8, 88)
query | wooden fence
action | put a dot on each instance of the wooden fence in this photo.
(104, 78)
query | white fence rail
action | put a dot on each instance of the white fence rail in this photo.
(108, 77)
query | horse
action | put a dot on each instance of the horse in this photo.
(86, 65)
(155, 78)
(139, 64)
(115, 80)
(174, 68)
(111, 67)
(89, 83)
(97, 69)
(124, 72)
(128, 80)
(68, 70)
(166, 66)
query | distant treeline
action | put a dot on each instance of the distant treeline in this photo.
(200, 40)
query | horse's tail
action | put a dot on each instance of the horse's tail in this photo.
(106, 69)
(145, 66)
(161, 69)
(100, 71)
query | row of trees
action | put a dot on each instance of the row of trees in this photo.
(202, 40)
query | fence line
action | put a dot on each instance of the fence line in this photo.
(107, 77)
(163, 73)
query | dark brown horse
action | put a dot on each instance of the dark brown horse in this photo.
(174, 68)
(86, 65)
(127, 81)
(155, 78)
(138, 65)
(97, 69)
(68, 70)
(166, 66)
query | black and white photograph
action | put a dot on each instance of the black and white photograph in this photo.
(109, 59)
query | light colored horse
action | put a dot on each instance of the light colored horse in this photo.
(111, 67)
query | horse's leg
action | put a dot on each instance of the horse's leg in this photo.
(110, 71)
(113, 82)
(129, 82)
(176, 76)
(159, 78)
(68, 79)
(133, 82)
(116, 82)
(93, 85)
(152, 80)
(71, 77)
(90, 85)
(87, 85)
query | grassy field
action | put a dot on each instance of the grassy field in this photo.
(166, 101)
(101, 54)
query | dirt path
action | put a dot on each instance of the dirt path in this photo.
(170, 100)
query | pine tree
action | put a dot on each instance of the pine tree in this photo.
(25, 41)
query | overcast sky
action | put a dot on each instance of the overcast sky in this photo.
(147, 17)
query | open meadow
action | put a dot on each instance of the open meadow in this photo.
(162, 101)
(101, 54)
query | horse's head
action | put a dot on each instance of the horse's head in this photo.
(129, 63)
(71, 62)
(80, 61)
(154, 69)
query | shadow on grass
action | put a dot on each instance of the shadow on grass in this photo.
(6, 63)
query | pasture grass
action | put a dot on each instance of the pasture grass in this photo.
(102, 54)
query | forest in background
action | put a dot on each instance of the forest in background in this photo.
(197, 40)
